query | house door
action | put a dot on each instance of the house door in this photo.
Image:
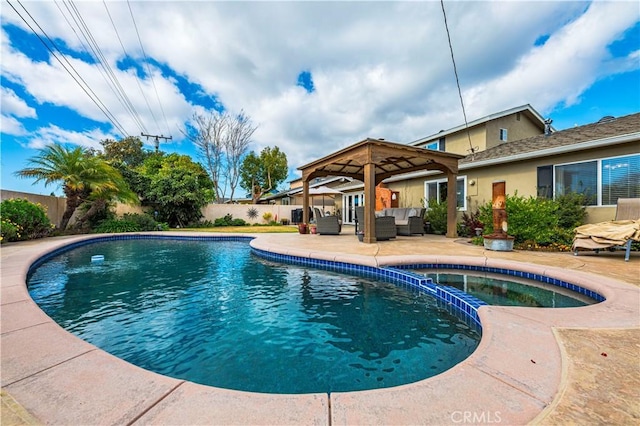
(349, 204)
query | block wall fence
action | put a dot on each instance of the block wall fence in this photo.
(56, 205)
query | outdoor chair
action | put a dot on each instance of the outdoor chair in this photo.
(612, 235)
(326, 225)
(385, 225)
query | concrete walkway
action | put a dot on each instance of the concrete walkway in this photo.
(547, 366)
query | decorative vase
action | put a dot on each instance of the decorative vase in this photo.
(302, 228)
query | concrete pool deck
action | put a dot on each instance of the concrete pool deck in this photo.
(545, 366)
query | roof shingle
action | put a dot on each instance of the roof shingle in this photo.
(590, 132)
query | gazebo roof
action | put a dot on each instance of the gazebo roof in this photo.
(388, 158)
(372, 161)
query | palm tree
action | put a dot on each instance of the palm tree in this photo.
(112, 188)
(83, 177)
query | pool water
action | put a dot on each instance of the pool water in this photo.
(212, 313)
(494, 289)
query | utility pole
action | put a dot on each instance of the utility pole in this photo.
(157, 139)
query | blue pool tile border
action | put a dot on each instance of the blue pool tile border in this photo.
(510, 272)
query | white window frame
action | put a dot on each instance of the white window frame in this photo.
(462, 179)
(503, 135)
(438, 145)
(598, 162)
(434, 146)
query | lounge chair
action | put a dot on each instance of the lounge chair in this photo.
(385, 225)
(326, 225)
(612, 235)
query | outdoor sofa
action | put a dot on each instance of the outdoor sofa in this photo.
(385, 225)
(408, 220)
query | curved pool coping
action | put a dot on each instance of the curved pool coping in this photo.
(514, 375)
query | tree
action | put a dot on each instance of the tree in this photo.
(221, 140)
(176, 187)
(127, 152)
(260, 175)
(115, 189)
(127, 155)
(81, 174)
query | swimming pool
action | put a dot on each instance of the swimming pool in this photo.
(174, 306)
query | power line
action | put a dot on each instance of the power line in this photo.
(84, 85)
(128, 56)
(455, 71)
(107, 71)
(148, 69)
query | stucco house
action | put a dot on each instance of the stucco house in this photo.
(520, 147)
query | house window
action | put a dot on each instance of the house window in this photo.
(580, 178)
(437, 190)
(438, 145)
(503, 135)
(545, 182)
(602, 181)
(620, 179)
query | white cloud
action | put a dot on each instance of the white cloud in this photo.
(380, 69)
(53, 134)
(12, 126)
(14, 105)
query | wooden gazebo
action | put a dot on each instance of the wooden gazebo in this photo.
(373, 160)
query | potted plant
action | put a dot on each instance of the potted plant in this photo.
(313, 229)
(302, 228)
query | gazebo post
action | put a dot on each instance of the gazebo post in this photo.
(305, 202)
(452, 205)
(370, 203)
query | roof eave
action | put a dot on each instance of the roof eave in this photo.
(581, 146)
(480, 121)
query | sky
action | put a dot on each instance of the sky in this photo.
(314, 77)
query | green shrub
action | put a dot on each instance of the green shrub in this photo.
(539, 222)
(528, 219)
(112, 226)
(437, 216)
(201, 224)
(9, 231)
(228, 220)
(30, 218)
(223, 221)
(144, 221)
(571, 210)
